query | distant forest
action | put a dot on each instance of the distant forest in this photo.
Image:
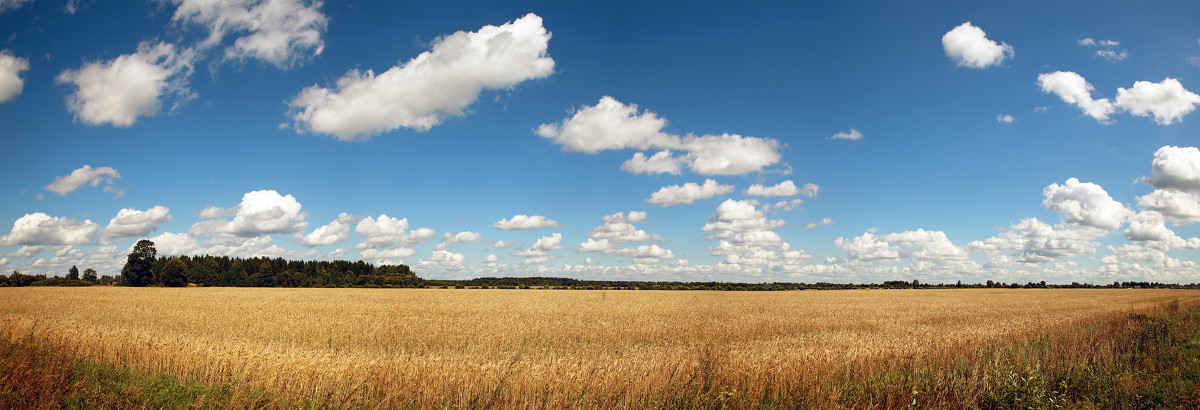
(143, 268)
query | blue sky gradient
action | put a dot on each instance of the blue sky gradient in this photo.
(928, 192)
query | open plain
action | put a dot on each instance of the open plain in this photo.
(564, 348)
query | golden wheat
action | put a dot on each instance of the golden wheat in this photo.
(534, 348)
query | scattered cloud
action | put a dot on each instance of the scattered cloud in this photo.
(386, 231)
(503, 244)
(120, 90)
(688, 193)
(436, 84)
(852, 135)
(280, 32)
(6, 5)
(1086, 204)
(443, 257)
(1112, 55)
(11, 67)
(1181, 208)
(1006, 119)
(660, 163)
(85, 175)
(539, 253)
(336, 231)
(132, 222)
(785, 188)
(260, 213)
(41, 229)
(175, 244)
(1167, 101)
(1073, 89)
(461, 237)
(1176, 168)
(613, 125)
(525, 222)
(818, 224)
(969, 46)
(1107, 52)
(783, 206)
(619, 228)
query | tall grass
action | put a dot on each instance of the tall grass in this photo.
(554, 349)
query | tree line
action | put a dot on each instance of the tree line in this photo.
(144, 268)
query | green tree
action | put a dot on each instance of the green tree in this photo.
(89, 275)
(73, 273)
(173, 273)
(137, 270)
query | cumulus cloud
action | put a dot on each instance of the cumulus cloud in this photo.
(387, 253)
(738, 216)
(1035, 241)
(41, 229)
(852, 135)
(818, 224)
(443, 257)
(132, 222)
(1181, 208)
(386, 231)
(785, 188)
(1149, 230)
(613, 125)
(867, 247)
(969, 46)
(1085, 203)
(1176, 168)
(336, 231)
(523, 222)
(1107, 52)
(619, 228)
(436, 84)
(1167, 101)
(85, 175)
(1073, 89)
(503, 244)
(461, 237)
(660, 163)
(259, 213)
(279, 32)
(120, 90)
(539, 253)
(1112, 55)
(747, 239)
(11, 82)
(175, 244)
(783, 206)
(1006, 119)
(688, 193)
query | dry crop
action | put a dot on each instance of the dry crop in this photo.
(545, 348)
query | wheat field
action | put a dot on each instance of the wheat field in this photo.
(541, 348)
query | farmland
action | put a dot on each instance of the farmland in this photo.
(560, 348)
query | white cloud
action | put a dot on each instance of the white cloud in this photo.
(1085, 204)
(785, 188)
(1112, 55)
(503, 244)
(618, 228)
(120, 90)
(1087, 42)
(336, 231)
(64, 185)
(1073, 89)
(436, 84)
(41, 229)
(132, 222)
(1176, 168)
(783, 206)
(660, 163)
(1035, 241)
(688, 193)
(1006, 118)
(738, 216)
(491, 258)
(279, 32)
(387, 253)
(443, 257)
(867, 247)
(822, 222)
(6, 5)
(852, 135)
(1148, 229)
(523, 222)
(386, 231)
(539, 253)
(461, 237)
(260, 212)
(969, 46)
(1182, 208)
(11, 82)
(175, 244)
(1168, 101)
(612, 125)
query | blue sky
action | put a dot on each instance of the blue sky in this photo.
(1011, 141)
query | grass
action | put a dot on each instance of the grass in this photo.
(204, 347)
